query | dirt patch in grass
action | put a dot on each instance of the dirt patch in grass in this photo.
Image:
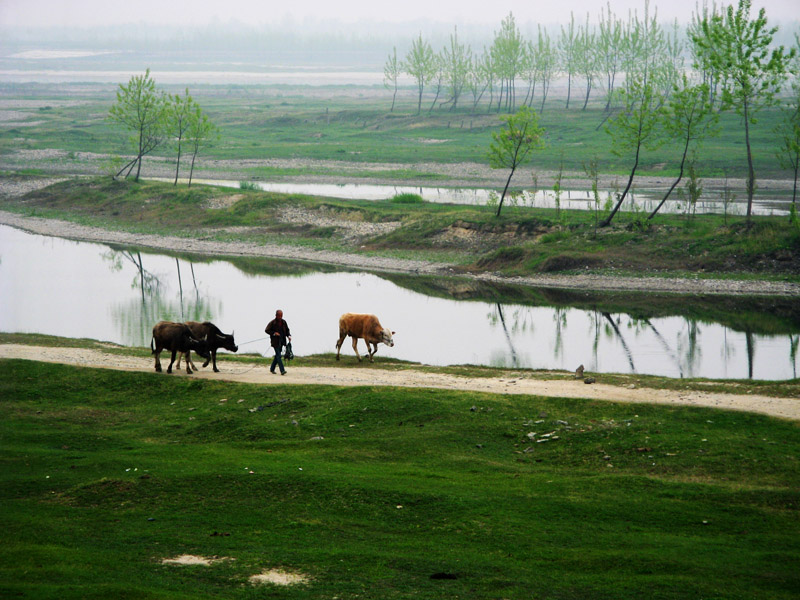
(191, 560)
(279, 577)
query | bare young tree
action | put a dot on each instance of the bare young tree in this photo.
(391, 73)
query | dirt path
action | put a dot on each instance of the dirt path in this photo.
(74, 231)
(370, 375)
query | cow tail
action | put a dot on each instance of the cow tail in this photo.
(152, 346)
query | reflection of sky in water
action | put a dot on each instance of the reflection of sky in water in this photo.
(74, 289)
(570, 199)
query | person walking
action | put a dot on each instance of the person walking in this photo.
(278, 332)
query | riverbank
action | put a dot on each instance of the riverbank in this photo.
(69, 230)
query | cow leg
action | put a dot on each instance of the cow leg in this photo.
(374, 351)
(189, 362)
(339, 343)
(169, 368)
(355, 348)
(180, 358)
(213, 360)
(158, 360)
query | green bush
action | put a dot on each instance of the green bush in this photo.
(407, 199)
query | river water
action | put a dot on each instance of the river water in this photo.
(568, 199)
(85, 290)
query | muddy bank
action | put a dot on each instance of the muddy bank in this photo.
(65, 229)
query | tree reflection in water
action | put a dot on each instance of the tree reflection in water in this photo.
(136, 318)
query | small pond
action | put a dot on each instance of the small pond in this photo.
(84, 290)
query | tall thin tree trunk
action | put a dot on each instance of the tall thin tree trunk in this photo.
(191, 169)
(751, 175)
(607, 221)
(569, 87)
(674, 185)
(178, 165)
(505, 189)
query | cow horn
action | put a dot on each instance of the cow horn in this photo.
(220, 336)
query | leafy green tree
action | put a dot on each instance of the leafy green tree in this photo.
(456, 60)
(391, 72)
(751, 71)
(695, 28)
(178, 116)
(200, 132)
(788, 131)
(479, 78)
(512, 145)
(546, 57)
(636, 127)
(609, 50)
(438, 77)
(689, 117)
(567, 48)
(508, 52)
(140, 107)
(421, 64)
(586, 57)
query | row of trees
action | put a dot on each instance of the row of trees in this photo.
(590, 56)
(748, 74)
(154, 117)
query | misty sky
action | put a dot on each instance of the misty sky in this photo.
(76, 13)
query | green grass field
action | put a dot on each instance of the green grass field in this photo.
(355, 125)
(408, 493)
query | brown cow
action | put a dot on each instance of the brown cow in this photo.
(214, 338)
(175, 337)
(366, 327)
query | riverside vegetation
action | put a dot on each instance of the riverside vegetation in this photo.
(383, 493)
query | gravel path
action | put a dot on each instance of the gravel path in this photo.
(74, 231)
(370, 375)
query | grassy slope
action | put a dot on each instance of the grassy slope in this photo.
(105, 473)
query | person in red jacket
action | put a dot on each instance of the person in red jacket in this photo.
(279, 334)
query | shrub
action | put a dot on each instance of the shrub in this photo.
(407, 199)
(248, 185)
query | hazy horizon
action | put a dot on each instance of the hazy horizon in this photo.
(319, 15)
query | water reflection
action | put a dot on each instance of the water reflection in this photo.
(74, 289)
(569, 199)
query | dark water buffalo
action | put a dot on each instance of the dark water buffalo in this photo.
(176, 337)
(214, 338)
(366, 327)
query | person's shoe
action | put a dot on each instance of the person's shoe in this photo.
(283, 372)
(271, 371)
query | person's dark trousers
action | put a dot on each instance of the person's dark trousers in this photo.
(277, 361)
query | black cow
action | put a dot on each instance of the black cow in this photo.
(215, 340)
(175, 337)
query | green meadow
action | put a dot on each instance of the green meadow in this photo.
(354, 124)
(383, 493)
